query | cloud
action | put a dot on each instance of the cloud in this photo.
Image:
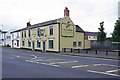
(86, 13)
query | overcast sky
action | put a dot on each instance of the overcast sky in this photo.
(14, 14)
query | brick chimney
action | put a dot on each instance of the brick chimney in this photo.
(66, 12)
(28, 24)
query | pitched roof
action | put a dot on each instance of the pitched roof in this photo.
(17, 30)
(91, 33)
(39, 24)
(3, 31)
(46, 23)
(79, 29)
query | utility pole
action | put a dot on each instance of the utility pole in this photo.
(2, 34)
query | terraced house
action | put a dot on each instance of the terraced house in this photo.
(54, 35)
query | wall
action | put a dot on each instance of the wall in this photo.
(67, 42)
(8, 39)
(42, 39)
(87, 44)
(14, 37)
(2, 39)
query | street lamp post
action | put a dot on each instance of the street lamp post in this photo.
(2, 34)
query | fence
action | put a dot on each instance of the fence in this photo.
(107, 45)
(92, 52)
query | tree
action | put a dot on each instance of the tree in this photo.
(101, 34)
(116, 32)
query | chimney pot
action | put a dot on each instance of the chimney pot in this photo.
(66, 12)
(28, 24)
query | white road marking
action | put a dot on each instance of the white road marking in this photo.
(111, 65)
(42, 63)
(112, 71)
(35, 62)
(51, 59)
(38, 60)
(106, 65)
(63, 62)
(50, 64)
(35, 57)
(42, 57)
(80, 66)
(9, 57)
(29, 61)
(55, 65)
(46, 59)
(103, 73)
(97, 64)
(17, 56)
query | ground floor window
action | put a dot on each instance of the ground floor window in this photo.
(23, 43)
(17, 43)
(79, 44)
(51, 44)
(74, 44)
(38, 44)
(29, 44)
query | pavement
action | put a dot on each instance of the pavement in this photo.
(91, 53)
(19, 63)
(113, 55)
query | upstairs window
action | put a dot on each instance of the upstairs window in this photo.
(51, 29)
(29, 33)
(22, 34)
(42, 32)
(38, 32)
(17, 34)
(25, 34)
(12, 35)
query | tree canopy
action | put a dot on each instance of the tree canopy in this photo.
(101, 34)
(116, 32)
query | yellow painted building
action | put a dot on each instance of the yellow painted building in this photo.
(54, 35)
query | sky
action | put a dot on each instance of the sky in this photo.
(14, 14)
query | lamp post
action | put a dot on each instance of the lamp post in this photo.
(2, 34)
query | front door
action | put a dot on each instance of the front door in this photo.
(33, 45)
(12, 43)
(44, 47)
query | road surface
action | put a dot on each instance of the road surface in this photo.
(19, 63)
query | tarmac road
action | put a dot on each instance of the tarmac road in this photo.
(19, 63)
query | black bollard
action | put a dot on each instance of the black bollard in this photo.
(78, 50)
(86, 51)
(106, 52)
(95, 51)
(71, 50)
(118, 53)
(64, 49)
